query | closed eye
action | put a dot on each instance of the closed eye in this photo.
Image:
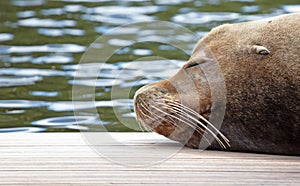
(191, 64)
(195, 62)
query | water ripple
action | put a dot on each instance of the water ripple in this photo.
(120, 42)
(84, 1)
(21, 129)
(44, 94)
(291, 8)
(21, 104)
(156, 69)
(74, 8)
(37, 22)
(26, 14)
(71, 48)
(60, 32)
(26, 3)
(6, 37)
(74, 32)
(17, 59)
(133, 10)
(171, 2)
(204, 17)
(18, 81)
(153, 65)
(243, 1)
(256, 17)
(31, 72)
(110, 31)
(138, 83)
(66, 120)
(53, 59)
(89, 70)
(142, 52)
(63, 106)
(117, 19)
(51, 32)
(19, 111)
(78, 127)
(90, 66)
(250, 9)
(52, 11)
(96, 83)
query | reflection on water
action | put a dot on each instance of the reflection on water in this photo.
(203, 18)
(21, 104)
(17, 72)
(41, 43)
(49, 48)
(291, 8)
(60, 32)
(26, 14)
(6, 81)
(67, 121)
(6, 37)
(26, 3)
(44, 93)
(22, 129)
(37, 22)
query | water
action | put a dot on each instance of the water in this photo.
(42, 42)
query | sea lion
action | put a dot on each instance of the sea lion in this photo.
(245, 75)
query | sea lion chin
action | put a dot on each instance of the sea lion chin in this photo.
(247, 75)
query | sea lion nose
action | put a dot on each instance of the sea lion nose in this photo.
(154, 94)
(149, 93)
(144, 99)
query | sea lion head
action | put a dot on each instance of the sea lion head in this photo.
(247, 68)
(180, 107)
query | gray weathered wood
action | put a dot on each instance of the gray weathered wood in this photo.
(66, 159)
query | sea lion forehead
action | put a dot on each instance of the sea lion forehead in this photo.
(260, 37)
(270, 26)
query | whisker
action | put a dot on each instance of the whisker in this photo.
(174, 103)
(159, 117)
(178, 108)
(187, 122)
(143, 114)
(202, 125)
(197, 114)
(181, 106)
(172, 116)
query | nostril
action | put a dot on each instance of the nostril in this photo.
(148, 94)
(140, 92)
(147, 100)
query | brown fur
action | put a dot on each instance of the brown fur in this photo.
(263, 91)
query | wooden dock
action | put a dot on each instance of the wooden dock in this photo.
(66, 159)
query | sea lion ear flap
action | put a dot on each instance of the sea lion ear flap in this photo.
(261, 50)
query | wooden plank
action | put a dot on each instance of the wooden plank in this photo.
(17, 139)
(66, 159)
(135, 177)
